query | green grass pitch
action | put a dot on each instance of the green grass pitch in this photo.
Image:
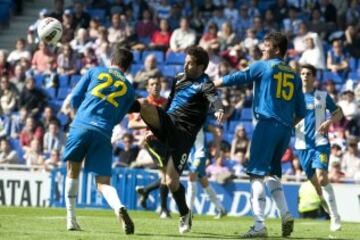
(49, 223)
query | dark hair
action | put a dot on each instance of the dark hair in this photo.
(122, 57)
(310, 67)
(278, 40)
(200, 55)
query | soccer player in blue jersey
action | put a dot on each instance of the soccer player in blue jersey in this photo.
(197, 166)
(312, 143)
(177, 127)
(278, 105)
(101, 99)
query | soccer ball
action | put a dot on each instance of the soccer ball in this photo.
(49, 30)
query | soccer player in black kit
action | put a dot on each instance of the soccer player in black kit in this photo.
(177, 126)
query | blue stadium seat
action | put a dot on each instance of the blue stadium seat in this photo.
(158, 54)
(246, 114)
(15, 144)
(137, 56)
(354, 76)
(333, 76)
(97, 13)
(5, 12)
(74, 80)
(51, 92)
(209, 137)
(168, 70)
(39, 80)
(63, 81)
(141, 93)
(175, 58)
(135, 68)
(228, 137)
(232, 126)
(63, 119)
(353, 64)
(62, 93)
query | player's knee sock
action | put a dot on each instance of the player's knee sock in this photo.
(152, 186)
(111, 197)
(164, 191)
(329, 196)
(71, 191)
(192, 187)
(213, 198)
(179, 197)
(277, 193)
(258, 202)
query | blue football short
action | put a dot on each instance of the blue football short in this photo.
(269, 142)
(91, 145)
(314, 158)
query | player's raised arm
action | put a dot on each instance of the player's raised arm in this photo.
(210, 93)
(79, 91)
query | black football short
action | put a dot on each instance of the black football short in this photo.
(177, 141)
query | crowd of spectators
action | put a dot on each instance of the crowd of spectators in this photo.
(36, 79)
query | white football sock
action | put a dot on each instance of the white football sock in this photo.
(329, 196)
(111, 197)
(258, 202)
(277, 193)
(192, 193)
(71, 191)
(213, 198)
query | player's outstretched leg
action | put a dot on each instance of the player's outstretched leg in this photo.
(71, 191)
(277, 193)
(258, 203)
(164, 192)
(213, 198)
(145, 191)
(112, 198)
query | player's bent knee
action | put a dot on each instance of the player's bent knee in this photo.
(73, 169)
(102, 180)
(172, 184)
(323, 180)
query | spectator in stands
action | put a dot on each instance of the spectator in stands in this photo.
(66, 60)
(209, 39)
(81, 41)
(94, 28)
(239, 165)
(348, 105)
(104, 56)
(58, 10)
(117, 31)
(19, 52)
(218, 17)
(163, 9)
(88, 60)
(7, 155)
(338, 59)
(16, 123)
(18, 77)
(231, 12)
(300, 39)
(214, 61)
(150, 70)
(217, 171)
(317, 23)
(291, 24)
(50, 74)
(240, 142)
(33, 155)
(270, 23)
(126, 155)
(68, 27)
(32, 98)
(8, 96)
(145, 27)
(331, 89)
(350, 163)
(244, 22)
(280, 10)
(352, 42)
(4, 65)
(352, 13)
(328, 11)
(47, 117)
(160, 39)
(54, 161)
(182, 37)
(54, 138)
(81, 18)
(30, 132)
(207, 10)
(227, 37)
(102, 38)
(314, 53)
(259, 27)
(224, 68)
(250, 41)
(335, 173)
(41, 59)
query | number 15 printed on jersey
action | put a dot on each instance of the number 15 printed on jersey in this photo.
(285, 86)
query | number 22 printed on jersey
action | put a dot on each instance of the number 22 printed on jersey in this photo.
(285, 86)
(109, 81)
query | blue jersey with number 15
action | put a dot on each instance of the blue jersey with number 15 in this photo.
(277, 90)
(102, 97)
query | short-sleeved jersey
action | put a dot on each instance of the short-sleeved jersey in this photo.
(102, 97)
(189, 102)
(277, 90)
(317, 103)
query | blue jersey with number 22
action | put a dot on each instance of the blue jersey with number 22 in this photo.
(102, 97)
(278, 90)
